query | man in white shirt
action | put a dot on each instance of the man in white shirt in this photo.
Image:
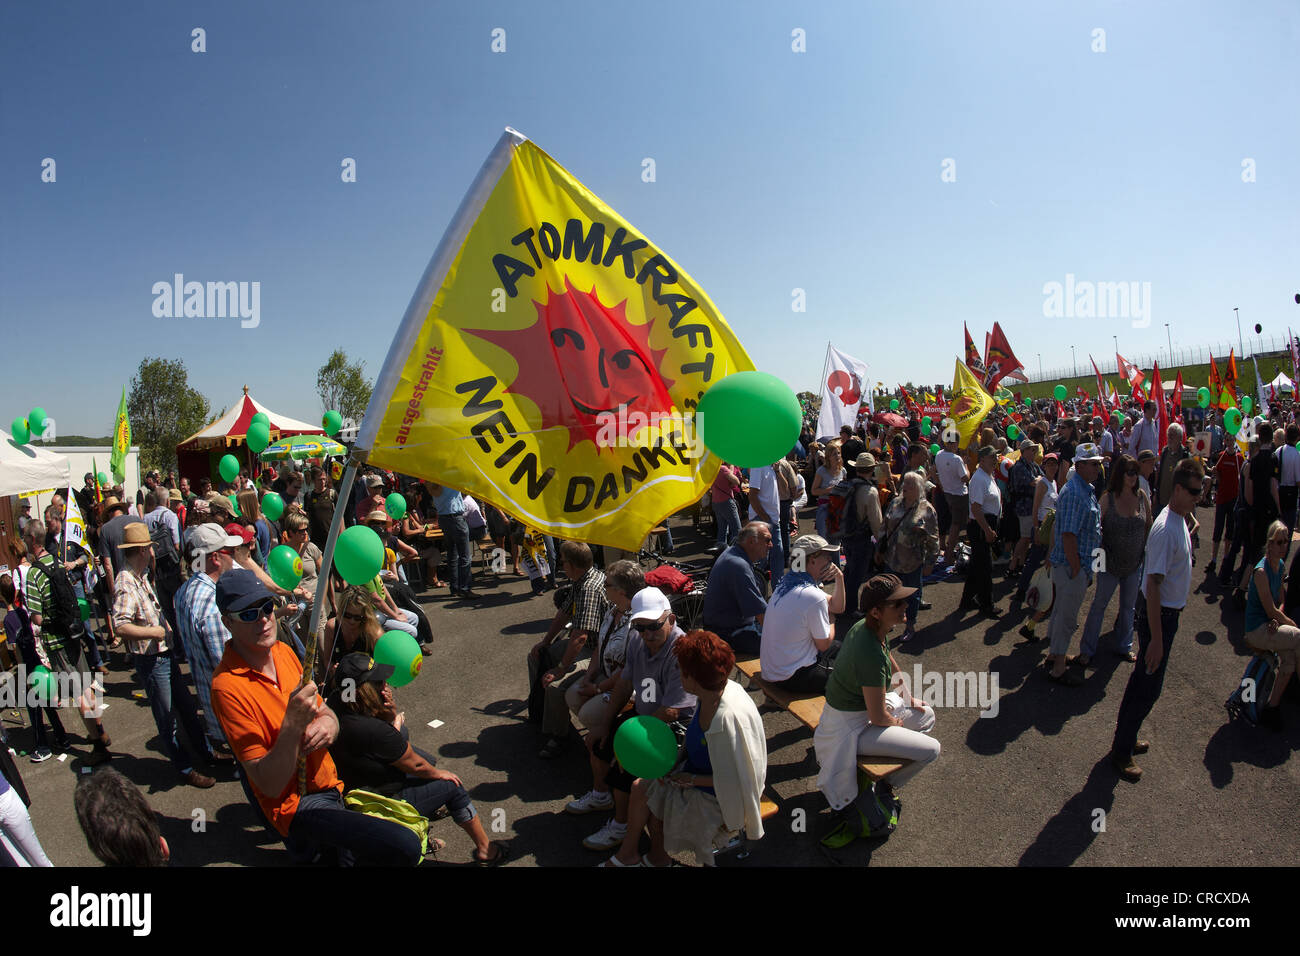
(952, 479)
(1166, 582)
(1288, 458)
(765, 506)
(985, 513)
(799, 646)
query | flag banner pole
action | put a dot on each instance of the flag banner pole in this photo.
(322, 585)
(434, 276)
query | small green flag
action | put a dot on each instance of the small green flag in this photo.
(121, 441)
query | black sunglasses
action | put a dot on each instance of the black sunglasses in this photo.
(647, 626)
(250, 614)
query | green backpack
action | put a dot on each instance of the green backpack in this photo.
(391, 809)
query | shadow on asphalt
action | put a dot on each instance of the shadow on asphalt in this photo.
(1238, 742)
(1071, 831)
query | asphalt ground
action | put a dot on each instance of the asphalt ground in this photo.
(1029, 786)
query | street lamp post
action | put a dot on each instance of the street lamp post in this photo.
(1040, 366)
(1240, 346)
(1074, 363)
(1170, 341)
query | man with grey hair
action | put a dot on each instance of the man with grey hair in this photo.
(798, 644)
(734, 602)
(1175, 451)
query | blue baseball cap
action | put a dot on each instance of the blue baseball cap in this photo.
(238, 590)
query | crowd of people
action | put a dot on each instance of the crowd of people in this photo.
(181, 576)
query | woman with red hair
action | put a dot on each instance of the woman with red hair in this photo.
(715, 789)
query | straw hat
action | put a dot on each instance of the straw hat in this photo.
(135, 536)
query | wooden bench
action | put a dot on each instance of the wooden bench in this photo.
(808, 711)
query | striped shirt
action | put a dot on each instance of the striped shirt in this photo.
(204, 637)
(134, 602)
(39, 596)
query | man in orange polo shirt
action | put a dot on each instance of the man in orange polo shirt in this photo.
(270, 722)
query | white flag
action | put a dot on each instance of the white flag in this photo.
(846, 387)
(1259, 387)
(74, 526)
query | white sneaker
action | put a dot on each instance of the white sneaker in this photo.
(590, 802)
(607, 837)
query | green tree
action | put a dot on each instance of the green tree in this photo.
(343, 386)
(164, 411)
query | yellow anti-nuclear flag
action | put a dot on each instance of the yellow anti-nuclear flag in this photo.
(970, 403)
(551, 360)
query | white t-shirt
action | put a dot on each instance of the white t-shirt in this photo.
(1169, 552)
(763, 481)
(1049, 497)
(952, 472)
(984, 492)
(794, 617)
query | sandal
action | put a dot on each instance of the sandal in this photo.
(502, 853)
(614, 863)
(1131, 657)
(435, 846)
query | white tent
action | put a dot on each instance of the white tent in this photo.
(25, 469)
(1282, 383)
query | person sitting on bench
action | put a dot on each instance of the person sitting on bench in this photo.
(798, 645)
(863, 716)
(734, 603)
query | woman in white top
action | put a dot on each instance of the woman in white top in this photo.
(1046, 490)
(828, 476)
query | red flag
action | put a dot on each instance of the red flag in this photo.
(1230, 378)
(1060, 410)
(1162, 410)
(1099, 410)
(1114, 401)
(1130, 372)
(938, 392)
(907, 399)
(1178, 397)
(1000, 361)
(1216, 384)
(1101, 386)
(973, 360)
(1081, 392)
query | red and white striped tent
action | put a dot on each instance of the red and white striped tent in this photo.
(197, 456)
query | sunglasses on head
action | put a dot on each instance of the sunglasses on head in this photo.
(647, 626)
(250, 614)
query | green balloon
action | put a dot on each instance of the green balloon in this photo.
(749, 419)
(260, 417)
(934, 448)
(1029, 402)
(401, 651)
(234, 505)
(646, 747)
(284, 566)
(893, 404)
(228, 467)
(926, 422)
(1060, 393)
(84, 607)
(258, 437)
(21, 433)
(332, 422)
(1232, 420)
(395, 505)
(1012, 432)
(1247, 404)
(36, 422)
(358, 554)
(46, 686)
(925, 428)
(1203, 397)
(1226, 398)
(103, 480)
(272, 505)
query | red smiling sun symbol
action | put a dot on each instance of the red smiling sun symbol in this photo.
(582, 359)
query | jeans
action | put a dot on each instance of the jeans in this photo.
(746, 640)
(911, 579)
(820, 520)
(455, 534)
(858, 558)
(428, 795)
(32, 661)
(157, 673)
(786, 510)
(407, 622)
(322, 821)
(1225, 520)
(776, 557)
(1287, 497)
(1143, 689)
(1128, 591)
(727, 517)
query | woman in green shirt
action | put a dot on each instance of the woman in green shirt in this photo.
(866, 714)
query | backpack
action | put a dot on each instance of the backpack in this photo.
(391, 809)
(836, 503)
(63, 615)
(853, 530)
(167, 560)
(1254, 688)
(868, 816)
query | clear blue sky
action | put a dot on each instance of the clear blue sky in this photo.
(775, 171)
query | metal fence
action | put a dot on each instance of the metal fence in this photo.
(1261, 346)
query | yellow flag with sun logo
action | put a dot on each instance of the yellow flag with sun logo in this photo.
(551, 361)
(970, 403)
